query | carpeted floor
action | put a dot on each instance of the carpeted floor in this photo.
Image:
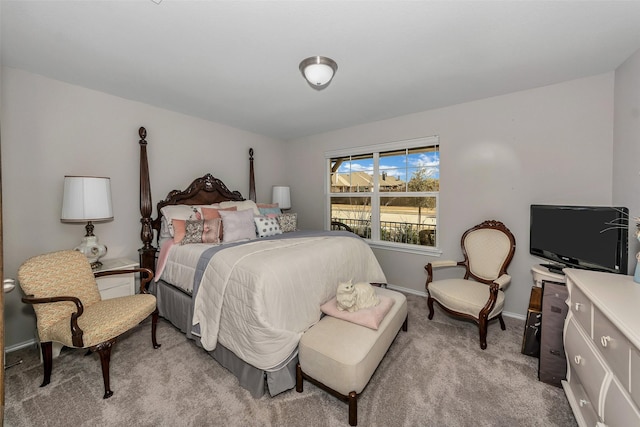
(433, 375)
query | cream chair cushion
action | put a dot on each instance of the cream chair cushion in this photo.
(104, 320)
(487, 250)
(464, 296)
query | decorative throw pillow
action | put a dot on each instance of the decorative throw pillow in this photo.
(243, 205)
(288, 222)
(237, 225)
(202, 231)
(212, 213)
(179, 212)
(268, 211)
(267, 226)
(211, 231)
(193, 232)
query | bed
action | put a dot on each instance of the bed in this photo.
(245, 300)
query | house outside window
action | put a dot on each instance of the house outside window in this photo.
(387, 193)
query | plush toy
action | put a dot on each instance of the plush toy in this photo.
(352, 297)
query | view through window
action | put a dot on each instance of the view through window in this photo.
(388, 192)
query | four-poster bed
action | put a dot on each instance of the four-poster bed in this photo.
(246, 301)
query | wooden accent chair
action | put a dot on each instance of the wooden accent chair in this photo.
(69, 310)
(488, 249)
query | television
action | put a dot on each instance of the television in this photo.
(587, 237)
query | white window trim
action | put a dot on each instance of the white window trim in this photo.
(376, 149)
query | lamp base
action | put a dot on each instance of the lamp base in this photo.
(92, 250)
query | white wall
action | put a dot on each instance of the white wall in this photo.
(498, 155)
(51, 129)
(626, 148)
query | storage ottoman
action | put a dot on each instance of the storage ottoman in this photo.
(340, 357)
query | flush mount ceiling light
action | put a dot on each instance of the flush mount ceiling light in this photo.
(318, 71)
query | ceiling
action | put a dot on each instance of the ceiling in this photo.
(236, 62)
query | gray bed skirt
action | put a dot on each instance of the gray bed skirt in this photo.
(175, 306)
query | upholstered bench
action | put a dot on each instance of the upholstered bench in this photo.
(340, 357)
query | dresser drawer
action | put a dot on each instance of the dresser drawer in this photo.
(584, 361)
(613, 346)
(634, 386)
(580, 306)
(583, 409)
(619, 410)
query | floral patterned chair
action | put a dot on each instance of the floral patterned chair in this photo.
(69, 310)
(488, 249)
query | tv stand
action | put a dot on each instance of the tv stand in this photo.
(554, 268)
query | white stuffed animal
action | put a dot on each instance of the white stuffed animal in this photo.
(352, 297)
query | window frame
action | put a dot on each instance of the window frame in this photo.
(376, 194)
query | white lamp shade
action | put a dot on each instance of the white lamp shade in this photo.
(86, 198)
(281, 196)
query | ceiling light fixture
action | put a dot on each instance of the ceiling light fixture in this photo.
(318, 71)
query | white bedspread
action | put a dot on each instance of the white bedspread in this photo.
(258, 298)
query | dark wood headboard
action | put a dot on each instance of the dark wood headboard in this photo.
(205, 190)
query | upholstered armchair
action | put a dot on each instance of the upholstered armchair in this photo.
(69, 310)
(488, 249)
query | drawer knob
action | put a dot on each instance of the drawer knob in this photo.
(605, 340)
(578, 305)
(577, 359)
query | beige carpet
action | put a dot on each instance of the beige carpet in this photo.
(434, 375)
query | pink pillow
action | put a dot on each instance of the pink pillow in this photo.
(369, 317)
(213, 213)
(179, 229)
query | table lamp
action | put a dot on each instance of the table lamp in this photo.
(281, 196)
(88, 199)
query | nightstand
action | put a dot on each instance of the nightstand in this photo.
(119, 285)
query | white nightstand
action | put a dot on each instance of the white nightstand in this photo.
(118, 285)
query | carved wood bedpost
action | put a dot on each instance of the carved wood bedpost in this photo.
(252, 181)
(147, 251)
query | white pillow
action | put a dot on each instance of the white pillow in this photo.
(267, 226)
(237, 225)
(245, 204)
(183, 212)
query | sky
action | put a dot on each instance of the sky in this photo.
(401, 166)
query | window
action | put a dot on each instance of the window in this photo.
(387, 193)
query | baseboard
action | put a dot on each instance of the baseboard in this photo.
(21, 345)
(424, 294)
(33, 342)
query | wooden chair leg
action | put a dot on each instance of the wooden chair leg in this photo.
(353, 408)
(502, 325)
(482, 326)
(47, 361)
(430, 305)
(104, 350)
(154, 325)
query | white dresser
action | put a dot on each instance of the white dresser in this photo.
(602, 342)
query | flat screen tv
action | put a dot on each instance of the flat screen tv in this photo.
(588, 237)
